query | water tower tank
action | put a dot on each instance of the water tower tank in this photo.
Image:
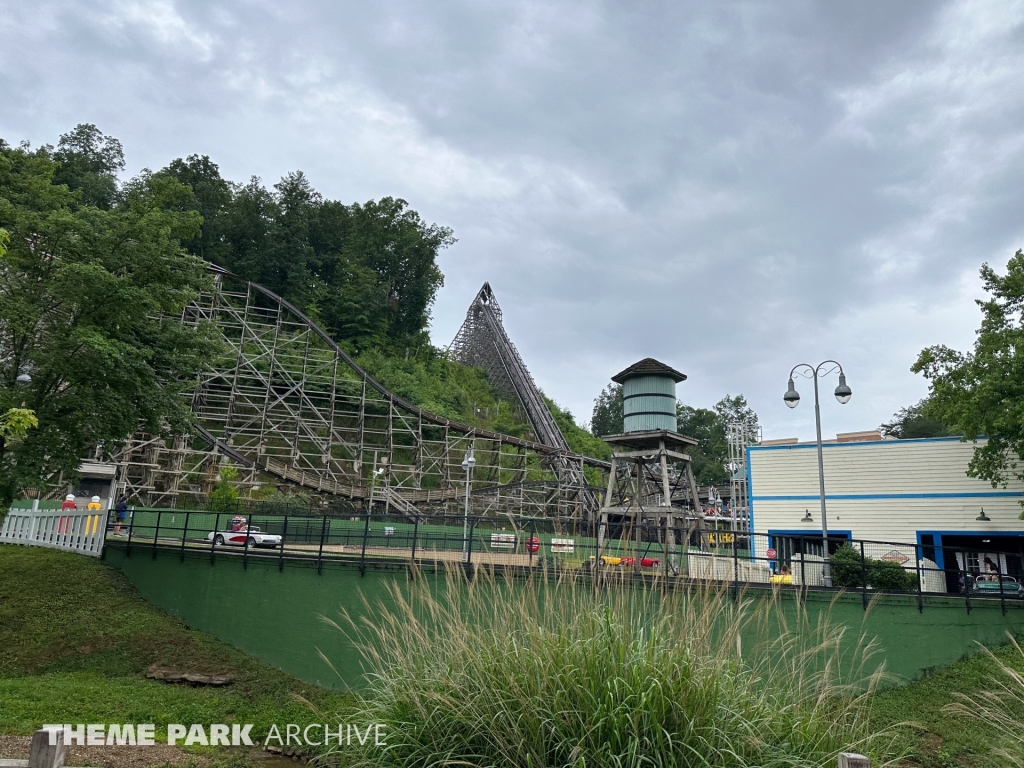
(649, 396)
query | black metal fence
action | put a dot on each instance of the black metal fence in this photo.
(678, 550)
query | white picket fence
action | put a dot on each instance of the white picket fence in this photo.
(81, 532)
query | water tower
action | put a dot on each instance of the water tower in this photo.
(651, 482)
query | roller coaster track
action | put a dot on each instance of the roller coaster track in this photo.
(288, 406)
(482, 342)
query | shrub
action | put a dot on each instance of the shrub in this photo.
(224, 496)
(846, 568)
(557, 674)
(847, 571)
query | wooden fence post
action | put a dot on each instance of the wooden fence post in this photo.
(853, 760)
(43, 754)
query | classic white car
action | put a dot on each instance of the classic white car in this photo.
(239, 534)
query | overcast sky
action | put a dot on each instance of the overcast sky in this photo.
(731, 188)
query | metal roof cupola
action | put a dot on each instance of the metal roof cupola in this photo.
(648, 396)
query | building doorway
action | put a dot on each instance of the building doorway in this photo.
(969, 555)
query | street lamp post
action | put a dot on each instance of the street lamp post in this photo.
(467, 466)
(843, 394)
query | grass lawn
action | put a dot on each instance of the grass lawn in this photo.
(941, 739)
(76, 640)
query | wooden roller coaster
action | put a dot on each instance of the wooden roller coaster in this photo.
(286, 405)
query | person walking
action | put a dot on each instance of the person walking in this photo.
(120, 513)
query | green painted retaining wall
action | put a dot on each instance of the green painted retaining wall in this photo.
(275, 614)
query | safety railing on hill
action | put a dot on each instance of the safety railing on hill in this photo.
(738, 559)
(78, 531)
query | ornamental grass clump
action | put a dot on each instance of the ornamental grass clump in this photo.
(538, 673)
(999, 708)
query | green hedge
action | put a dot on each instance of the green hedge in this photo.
(848, 571)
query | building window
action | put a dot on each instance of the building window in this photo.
(789, 547)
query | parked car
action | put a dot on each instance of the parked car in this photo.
(988, 584)
(240, 532)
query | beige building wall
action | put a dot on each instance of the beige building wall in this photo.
(887, 491)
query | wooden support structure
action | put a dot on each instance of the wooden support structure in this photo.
(289, 407)
(650, 485)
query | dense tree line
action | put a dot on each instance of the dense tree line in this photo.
(367, 273)
(93, 261)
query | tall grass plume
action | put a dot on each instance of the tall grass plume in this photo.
(999, 708)
(537, 674)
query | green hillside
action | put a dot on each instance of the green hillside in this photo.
(76, 640)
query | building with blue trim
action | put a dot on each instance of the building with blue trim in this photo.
(889, 491)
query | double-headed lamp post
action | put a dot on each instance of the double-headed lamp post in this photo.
(467, 465)
(792, 399)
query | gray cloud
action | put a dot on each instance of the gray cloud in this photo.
(731, 187)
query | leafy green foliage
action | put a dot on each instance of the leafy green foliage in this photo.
(15, 424)
(82, 291)
(916, 421)
(707, 426)
(982, 392)
(607, 417)
(579, 439)
(224, 496)
(211, 196)
(367, 273)
(849, 572)
(88, 164)
(449, 389)
(711, 453)
(736, 410)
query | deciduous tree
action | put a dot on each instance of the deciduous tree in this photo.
(88, 301)
(915, 421)
(711, 453)
(367, 273)
(88, 164)
(982, 392)
(607, 416)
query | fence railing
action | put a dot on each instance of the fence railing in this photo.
(705, 554)
(81, 532)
